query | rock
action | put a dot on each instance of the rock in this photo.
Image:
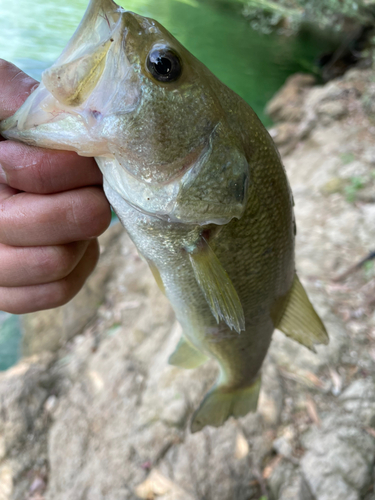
(330, 111)
(340, 456)
(286, 105)
(282, 476)
(359, 399)
(331, 92)
(23, 392)
(158, 485)
(6, 483)
(271, 394)
(283, 134)
(354, 168)
(293, 490)
(368, 101)
(283, 447)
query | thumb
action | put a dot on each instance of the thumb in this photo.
(15, 87)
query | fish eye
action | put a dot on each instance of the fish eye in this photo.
(164, 64)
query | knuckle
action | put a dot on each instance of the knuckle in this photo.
(54, 262)
(97, 215)
(60, 293)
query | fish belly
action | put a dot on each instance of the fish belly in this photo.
(252, 261)
(257, 254)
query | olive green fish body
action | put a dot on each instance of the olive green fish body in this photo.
(257, 252)
(197, 182)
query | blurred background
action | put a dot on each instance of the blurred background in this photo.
(307, 69)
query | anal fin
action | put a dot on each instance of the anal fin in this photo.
(186, 356)
(156, 274)
(300, 321)
(217, 287)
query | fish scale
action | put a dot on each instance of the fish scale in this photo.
(197, 182)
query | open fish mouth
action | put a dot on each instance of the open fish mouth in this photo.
(65, 112)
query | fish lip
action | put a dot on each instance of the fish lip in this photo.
(43, 109)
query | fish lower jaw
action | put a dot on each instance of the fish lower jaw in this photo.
(55, 129)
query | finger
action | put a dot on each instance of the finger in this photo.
(53, 219)
(37, 170)
(34, 169)
(15, 87)
(22, 300)
(25, 266)
(6, 192)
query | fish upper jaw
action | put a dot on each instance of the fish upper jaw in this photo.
(90, 84)
(42, 122)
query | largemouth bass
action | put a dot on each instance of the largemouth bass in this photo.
(197, 182)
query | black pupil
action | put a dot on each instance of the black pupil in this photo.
(163, 66)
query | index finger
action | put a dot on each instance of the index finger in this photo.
(45, 171)
(32, 169)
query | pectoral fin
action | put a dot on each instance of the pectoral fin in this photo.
(186, 356)
(217, 287)
(300, 321)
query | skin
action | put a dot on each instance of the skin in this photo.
(52, 209)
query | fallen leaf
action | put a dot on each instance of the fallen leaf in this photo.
(312, 410)
(336, 381)
(370, 431)
(242, 446)
(156, 485)
(267, 471)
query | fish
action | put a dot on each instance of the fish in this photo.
(197, 183)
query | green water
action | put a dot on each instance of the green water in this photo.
(254, 65)
(33, 33)
(10, 337)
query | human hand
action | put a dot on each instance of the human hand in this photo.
(52, 208)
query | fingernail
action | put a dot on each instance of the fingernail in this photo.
(3, 177)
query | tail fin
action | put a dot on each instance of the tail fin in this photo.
(218, 405)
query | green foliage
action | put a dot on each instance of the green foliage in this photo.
(347, 158)
(290, 14)
(356, 183)
(114, 329)
(331, 13)
(10, 338)
(369, 269)
(267, 15)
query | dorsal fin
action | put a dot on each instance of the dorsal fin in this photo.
(217, 287)
(300, 321)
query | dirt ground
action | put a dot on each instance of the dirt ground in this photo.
(95, 412)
